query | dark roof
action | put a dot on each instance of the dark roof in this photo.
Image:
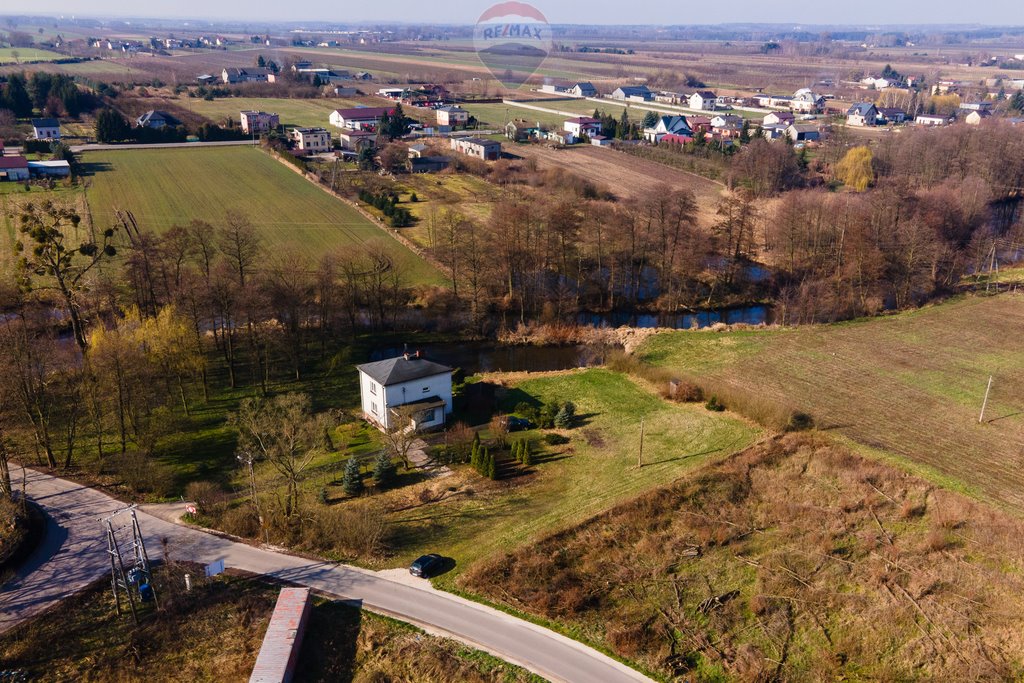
(13, 162)
(635, 90)
(45, 123)
(402, 369)
(364, 112)
(156, 115)
(862, 108)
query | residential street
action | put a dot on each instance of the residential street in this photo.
(74, 554)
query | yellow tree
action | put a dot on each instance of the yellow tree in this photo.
(854, 170)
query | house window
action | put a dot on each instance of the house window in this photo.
(426, 390)
(428, 415)
(373, 408)
(373, 388)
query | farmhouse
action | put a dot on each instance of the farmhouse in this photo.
(488, 150)
(930, 120)
(157, 120)
(584, 89)
(452, 115)
(892, 114)
(13, 168)
(807, 101)
(410, 385)
(358, 118)
(312, 140)
(703, 99)
(699, 123)
(862, 114)
(45, 129)
(356, 140)
(784, 118)
(803, 132)
(669, 97)
(774, 131)
(582, 125)
(976, 117)
(636, 93)
(258, 121)
(667, 125)
(520, 130)
(250, 74)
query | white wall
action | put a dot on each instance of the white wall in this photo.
(400, 394)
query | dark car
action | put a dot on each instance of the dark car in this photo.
(426, 565)
(518, 424)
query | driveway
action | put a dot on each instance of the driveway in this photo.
(74, 554)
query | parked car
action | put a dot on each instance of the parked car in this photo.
(425, 565)
(518, 424)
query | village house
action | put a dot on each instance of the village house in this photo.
(633, 93)
(258, 121)
(862, 114)
(156, 119)
(452, 115)
(488, 150)
(601, 141)
(13, 168)
(892, 114)
(699, 123)
(250, 74)
(876, 83)
(520, 130)
(407, 387)
(344, 91)
(669, 97)
(803, 132)
(582, 89)
(391, 93)
(358, 118)
(704, 100)
(45, 129)
(773, 101)
(806, 101)
(554, 89)
(667, 125)
(976, 117)
(311, 140)
(206, 79)
(357, 140)
(676, 138)
(783, 118)
(976, 106)
(582, 125)
(774, 131)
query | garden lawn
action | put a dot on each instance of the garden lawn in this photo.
(908, 386)
(166, 187)
(570, 483)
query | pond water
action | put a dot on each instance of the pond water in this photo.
(750, 315)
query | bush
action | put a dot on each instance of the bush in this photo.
(684, 391)
(799, 422)
(383, 470)
(208, 497)
(241, 521)
(714, 405)
(556, 439)
(143, 475)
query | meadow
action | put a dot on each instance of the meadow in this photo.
(293, 112)
(19, 55)
(907, 387)
(166, 187)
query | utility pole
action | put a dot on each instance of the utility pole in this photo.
(640, 454)
(984, 403)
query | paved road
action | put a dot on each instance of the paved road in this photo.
(160, 145)
(74, 554)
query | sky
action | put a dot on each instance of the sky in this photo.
(795, 12)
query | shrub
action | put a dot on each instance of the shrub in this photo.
(525, 456)
(683, 391)
(208, 497)
(799, 422)
(714, 405)
(383, 470)
(241, 521)
(352, 480)
(556, 439)
(143, 475)
(565, 416)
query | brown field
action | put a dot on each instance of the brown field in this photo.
(795, 560)
(626, 176)
(908, 387)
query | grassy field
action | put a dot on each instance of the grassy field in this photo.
(214, 634)
(909, 385)
(293, 112)
(165, 187)
(18, 55)
(570, 483)
(472, 196)
(795, 560)
(497, 115)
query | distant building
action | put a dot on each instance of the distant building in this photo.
(862, 114)
(408, 386)
(357, 140)
(803, 132)
(452, 115)
(704, 100)
(807, 102)
(46, 129)
(49, 169)
(206, 79)
(156, 119)
(13, 168)
(488, 150)
(667, 125)
(258, 122)
(359, 117)
(892, 114)
(583, 125)
(311, 140)
(784, 118)
(636, 93)
(583, 89)
(931, 120)
(249, 74)
(976, 106)
(520, 130)
(976, 117)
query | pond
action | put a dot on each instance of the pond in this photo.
(750, 315)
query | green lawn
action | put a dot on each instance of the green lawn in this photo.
(573, 482)
(293, 112)
(20, 55)
(908, 386)
(497, 115)
(165, 187)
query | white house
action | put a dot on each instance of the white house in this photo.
(358, 118)
(452, 115)
(778, 118)
(807, 101)
(862, 114)
(583, 89)
(582, 125)
(636, 93)
(312, 139)
(703, 99)
(258, 121)
(976, 117)
(409, 380)
(930, 120)
(667, 125)
(46, 129)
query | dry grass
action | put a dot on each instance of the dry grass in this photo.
(910, 385)
(794, 560)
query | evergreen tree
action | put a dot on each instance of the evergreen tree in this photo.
(111, 127)
(650, 119)
(623, 127)
(1017, 103)
(474, 456)
(16, 97)
(527, 457)
(352, 480)
(260, 61)
(564, 417)
(492, 469)
(383, 470)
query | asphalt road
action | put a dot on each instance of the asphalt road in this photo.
(73, 555)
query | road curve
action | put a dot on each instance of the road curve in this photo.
(73, 555)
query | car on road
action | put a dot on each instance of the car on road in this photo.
(425, 565)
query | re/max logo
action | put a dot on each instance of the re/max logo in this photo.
(512, 31)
